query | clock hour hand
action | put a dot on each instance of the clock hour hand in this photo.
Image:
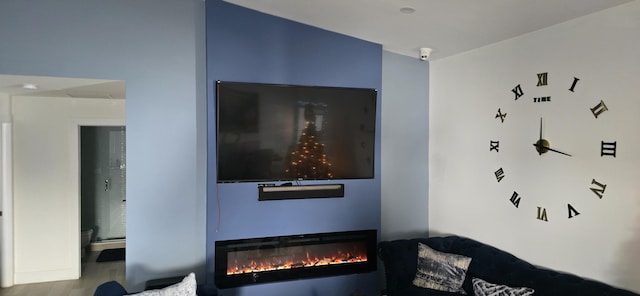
(543, 148)
(556, 151)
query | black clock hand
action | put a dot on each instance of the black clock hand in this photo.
(540, 139)
(556, 151)
(537, 145)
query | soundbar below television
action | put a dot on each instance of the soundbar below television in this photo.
(273, 132)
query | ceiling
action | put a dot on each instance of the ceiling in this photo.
(449, 27)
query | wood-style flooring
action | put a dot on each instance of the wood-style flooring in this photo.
(93, 274)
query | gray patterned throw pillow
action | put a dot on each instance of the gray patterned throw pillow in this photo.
(484, 288)
(440, 271)
(187, 287)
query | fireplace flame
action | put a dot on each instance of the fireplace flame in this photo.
(309, 261)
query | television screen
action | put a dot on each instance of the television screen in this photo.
(272, 132)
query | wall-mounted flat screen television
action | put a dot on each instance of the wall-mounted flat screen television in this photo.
(273, 132)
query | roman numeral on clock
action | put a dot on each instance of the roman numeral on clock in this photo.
(494, 146)
(573, 85)
(607, 148)
(542, 79)
(599, 108)
(518, 91)
(572, 211)
(515, 199)
(542, 214)
(600, 190)
(499, 174)
(501, 115)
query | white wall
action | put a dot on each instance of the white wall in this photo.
(157, 47)
(6, 221)
(405, 117)
(464, 196)
(6, 205)
(5, 108)
(46, 172)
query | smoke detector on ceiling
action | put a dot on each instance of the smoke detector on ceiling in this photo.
(425, 53)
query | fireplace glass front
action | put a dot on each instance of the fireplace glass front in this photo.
(260, 260)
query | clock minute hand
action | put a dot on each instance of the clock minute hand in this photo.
(540, 139)
(551, 149)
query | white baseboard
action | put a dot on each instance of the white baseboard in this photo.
(42, 276)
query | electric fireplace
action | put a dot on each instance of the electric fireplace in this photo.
(270, 259)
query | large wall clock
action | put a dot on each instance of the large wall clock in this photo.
(553, 147)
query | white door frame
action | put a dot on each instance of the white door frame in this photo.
(6, 206)
(76, 124)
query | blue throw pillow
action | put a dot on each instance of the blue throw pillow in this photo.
(111, 288)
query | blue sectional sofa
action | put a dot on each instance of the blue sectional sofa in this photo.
(400, 261)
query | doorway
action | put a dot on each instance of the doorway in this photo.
(102, 187)
(45, 123)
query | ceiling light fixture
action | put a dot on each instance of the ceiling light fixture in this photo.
(407, 10)
(29, 86)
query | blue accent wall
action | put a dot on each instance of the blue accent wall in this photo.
(157, 47)
(405, 149)
(249, 46)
